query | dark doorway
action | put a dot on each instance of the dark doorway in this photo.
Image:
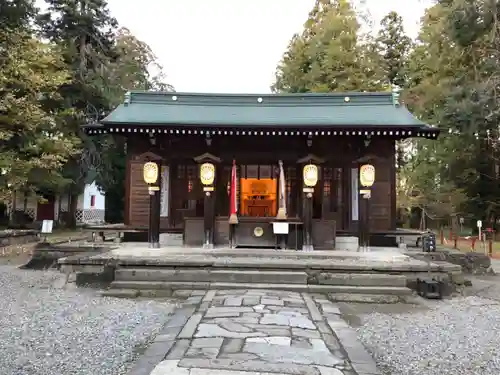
(45, 208)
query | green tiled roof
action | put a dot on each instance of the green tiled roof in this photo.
(273, 110)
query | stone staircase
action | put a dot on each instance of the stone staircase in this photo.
(162, 281)
(377, 276)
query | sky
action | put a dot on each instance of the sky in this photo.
(230, 46)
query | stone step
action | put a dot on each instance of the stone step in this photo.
(330, 289)
(257, 276)
(372, 298)
(120, 293)
(205, 275)
(360, 279)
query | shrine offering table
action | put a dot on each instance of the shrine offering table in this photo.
(258, 232)
(254, 232)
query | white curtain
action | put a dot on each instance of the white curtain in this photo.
(165, 186)
(354, 195)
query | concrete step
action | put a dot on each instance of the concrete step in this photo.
(205, 275)
(330, 289)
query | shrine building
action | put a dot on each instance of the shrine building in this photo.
(232, 167)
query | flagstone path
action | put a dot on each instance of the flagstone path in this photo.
(249, 332)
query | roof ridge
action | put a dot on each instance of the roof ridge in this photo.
(214, 94)
(257, 100)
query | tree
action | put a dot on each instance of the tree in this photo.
(85, 32)
(394, 46)
(422, 184)
(452, 84)
(33, 148)
(425, 179)
(136, 67)
(329, 55)
(130, 71)
(16, 15)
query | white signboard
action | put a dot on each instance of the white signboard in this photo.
(47, 226)
(280, 228)
(462, 220)
(479, 223)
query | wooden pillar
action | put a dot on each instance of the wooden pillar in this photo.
(151, 174)
(309, 182)
(309, 176)
(209, 217)
(364, 219)
(154, 216)
(307, 244)
(208, 171)
(366, 180)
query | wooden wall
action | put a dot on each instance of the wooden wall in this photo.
(347, 152)
(381, 210)
(138, 215)
(137, 207)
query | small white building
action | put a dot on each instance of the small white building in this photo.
(90, 208)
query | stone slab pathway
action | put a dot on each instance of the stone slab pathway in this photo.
(249, 332)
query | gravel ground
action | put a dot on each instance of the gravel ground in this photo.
(46, 330)
(453, 337)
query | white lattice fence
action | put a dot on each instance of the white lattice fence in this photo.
(29, 211)
(89, 216)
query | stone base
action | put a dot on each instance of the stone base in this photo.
(46, 255)
(171, 239)
(10, 237)
(471, 263)
(347, 243)
(384, 272)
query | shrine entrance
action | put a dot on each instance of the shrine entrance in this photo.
(258, 190)
(258, 197)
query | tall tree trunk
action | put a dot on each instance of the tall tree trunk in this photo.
(13, 207)
(73, 205)
(25, 202)
(59, 203)
(422, 220)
